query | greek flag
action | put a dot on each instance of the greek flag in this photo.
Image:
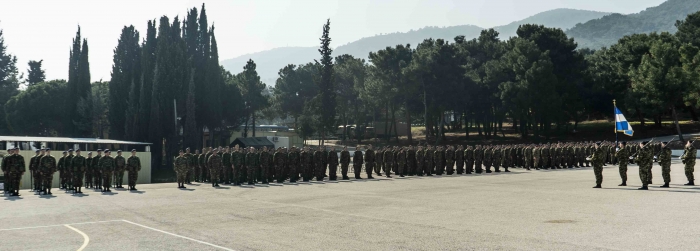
(621, 124)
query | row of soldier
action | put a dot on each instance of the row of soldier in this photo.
(73, 168)
(237, 166)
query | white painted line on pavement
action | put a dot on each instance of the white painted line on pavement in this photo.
(86, 239)
(79, 223)
(176, 235)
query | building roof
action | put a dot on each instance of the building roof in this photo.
(69, 140)
(257, 142)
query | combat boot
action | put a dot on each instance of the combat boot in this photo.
(643, 188)
(370, 177)
(597, 186)
(624, 184)
(690, 183)
(665, 185)
(346, 178)
(507, 171)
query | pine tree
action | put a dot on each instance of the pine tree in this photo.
(327, 101)
(215, 84)
(131, 114)
(83, 86)
(73, 83)
(35, 74)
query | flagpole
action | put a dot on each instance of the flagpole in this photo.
(614, 112)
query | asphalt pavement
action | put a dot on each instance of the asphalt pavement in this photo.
(522, 210)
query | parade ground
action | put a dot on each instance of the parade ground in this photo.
(523, 210)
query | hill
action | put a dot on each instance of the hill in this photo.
(271, 61)
(609, 29)
(557, 18)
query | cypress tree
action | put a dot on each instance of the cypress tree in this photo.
(214, 88)
(83, 90)
(325, 83)
(73, 83)
(190, 130)
(125, 69)
(148, 55)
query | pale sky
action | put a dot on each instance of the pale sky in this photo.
(43, 29)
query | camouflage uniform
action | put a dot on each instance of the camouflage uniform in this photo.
(469, 157)
(439, 161)
(201, 170)
(60, 167)
(478, 158)
(34, 171)
(67, 174)
(420, 162)
(401, 161)
(459, 159)
(333, 165)
(190, 167)
(307, 165)
(357, 162)
(598, 159)
(120, 163)
(237, 159)
(96, 171)
(688, 159)
(411, 162)
(226, 172)
(450, 161)
(370, 161)
(215, 164)
(645, 160)
(665, 163)
(106, 167)
(344, 163)
(544, 157)
(379, 161)
(280, 160)
(47, 168)
(293, 163)
(251, 163)
(133, 165)
(388, 162)
(623, 154)
(181, 168)
(78, 167)
(89, 170)
(496, 157)
(319, 170)
(264, 166)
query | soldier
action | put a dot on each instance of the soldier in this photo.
(68, 176)
(107, 167)
(429, 161)
(496, 158)
(411, 161)
(333, 164)
(459, 159)
(251, 164)
(264, 165)
(279, 160)
(688, 159)
(401, 162)
(237, 159)
(14, 168)
(180, 167)
(420, 161)
(319, 170)
(195, 172)
(215, 163)
(488, 155)
(48, 168)
(96, 171)
(664, 162)
(190, 166)
(644, 159)
(203, 157)
(133, 165)
(34, 170)
(439, 160)
(305, 158)
(536, 157)
(505, 161)
(379, 161)
(469, 157)
(478, 159)
(61, 170)
(369, 161)
(4, 169)
(120, 167)
(78, 167)
(544, 156)
(357, 162)
(388, 162)
(89, 170)
(622, 153)
(450, 160)
(598, 158)
(293, 160)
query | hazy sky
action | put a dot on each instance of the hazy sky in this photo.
(43, 29)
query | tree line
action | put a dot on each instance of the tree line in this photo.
(168, 87)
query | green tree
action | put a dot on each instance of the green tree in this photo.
(251, 90)
(148, 56)
(126, 71)
(327, 102)
(95, 109)
(35, 74)
(350, 75)
(38, 110)
(9, 82)
(190, 128)
(660, 76)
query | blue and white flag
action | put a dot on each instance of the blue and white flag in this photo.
(621, 124)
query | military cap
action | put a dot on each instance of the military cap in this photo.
(134, 150)
(99, 150)
(37, 150)
(624, 143)
(89, 153)
(106, 150)
(645, 142)
(119, 151)
(598, 143)
(65, 152)
(77, 150)
(665, 142)
(48, 149)
(70, 150)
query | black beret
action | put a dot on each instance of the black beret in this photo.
(70, 150)
(64, 152)
(37, 150)
(665, 142)
(106, 150)
(77, 150)
(99, 150)
(134, 150)
(119, 151)
(48, 149)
